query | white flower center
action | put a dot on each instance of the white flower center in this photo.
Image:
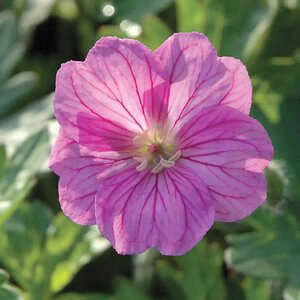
(155, 150)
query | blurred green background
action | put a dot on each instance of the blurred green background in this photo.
(43, 255)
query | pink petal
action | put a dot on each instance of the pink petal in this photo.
(126, 72)
(118, 86)
(79, 171)
(240, 93)
(228, 150)
(103, 135)
(196, 76)
(138, 210)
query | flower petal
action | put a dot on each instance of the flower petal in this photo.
(228, 150)
(196, 76)
(126, 71)
(118, 86)
(240, 93)
(138, 210)
(79, 171)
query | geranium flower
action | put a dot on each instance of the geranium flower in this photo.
(155, 146)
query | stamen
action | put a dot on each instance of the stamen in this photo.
(167, 163)
(142, 166)
(155, 150)
(157, 168)
(138, 158)
(175, 156)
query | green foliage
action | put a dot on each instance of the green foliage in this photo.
(48, 256)
(19, 172)
(271, 252)
(44, 252)
(135, 10)
(71, 296)
(7, 291)
(197, 273)
(256, 289)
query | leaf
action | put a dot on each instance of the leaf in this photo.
(256, 289)
(72, 296)
(267, 99)
(110, 30)
(205, 16)
(127, 290)
(22, 242)
(284, 136)
(3, 160)
(271, 72)
(155, 32)
(18, 179)
(44, 253)
(11, 49)
(7, 291)
(19, 126)
(34, 12)
(292, 4)
(247, 25)
(259, 34)
(71, 247)
(198, 273)
(272, 252)
(3, 276)
(291, 293)
(87, 35)
(13, 90)
(136, 10)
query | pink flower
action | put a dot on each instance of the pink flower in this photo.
(156, 146)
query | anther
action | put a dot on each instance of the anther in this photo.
(167, 163)
(175, 156)
(142, 166)
(159, 167)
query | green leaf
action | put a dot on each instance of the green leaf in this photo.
(285, 140)
(205, 16)
(7, 291)
(72, 296)
(267, 99)
(21, 125)
(256, 289)
(127, 290)
(291, 293)
(22, 242)
(18, 179)
(155, 32)
(13, 90)
(110, 30)
(66, 9)
(3, 160)
(11, 49)
(198, 273)
(258, 37)
(272, 252)
(136, 10)
(34, 12)
(3, 276)
(247, 24)
(71, 247)
(271, 72)
(87, 35)
(292, 4)
(51, 250)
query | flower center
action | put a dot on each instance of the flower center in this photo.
(155, 149)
